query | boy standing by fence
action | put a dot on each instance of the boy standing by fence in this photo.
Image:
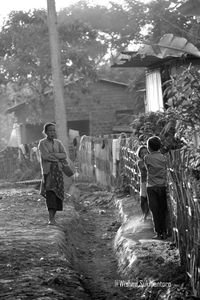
(141, 153)
(156, 186)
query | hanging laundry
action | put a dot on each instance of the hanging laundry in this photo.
(115, 155)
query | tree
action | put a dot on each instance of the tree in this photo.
(85, 41)
(190, 8)
(119, 26)
(25, 60)
(115, 28)
(6, 123)
(90, 36)
(115, 24)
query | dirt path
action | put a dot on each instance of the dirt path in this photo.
(73, 261)
(32, 265)
(89, 256)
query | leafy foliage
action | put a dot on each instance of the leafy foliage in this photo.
(86, 33)
(89, 36)
(23, 56)
(160, 17)
(116, 24)
(180, 123)
(6, 122)
(133, 21)
(183, 93)
(158, 123)
(25, 59)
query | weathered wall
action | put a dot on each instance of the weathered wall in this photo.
(98, 106)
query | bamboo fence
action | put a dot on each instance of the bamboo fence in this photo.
(129, 168)
(183, 193)
(96, 162)
(185, 205)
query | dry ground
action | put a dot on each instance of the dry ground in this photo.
(89, 256)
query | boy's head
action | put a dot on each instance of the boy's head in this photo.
(142, 151)
(154, 143)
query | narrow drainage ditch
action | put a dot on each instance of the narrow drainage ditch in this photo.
(90, 245)
(91, 238)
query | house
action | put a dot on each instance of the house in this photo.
(94, 112)
(161, 60)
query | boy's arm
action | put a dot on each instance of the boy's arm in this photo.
(139, 164)
(145, 160)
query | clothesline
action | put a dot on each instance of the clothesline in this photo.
(94, 139)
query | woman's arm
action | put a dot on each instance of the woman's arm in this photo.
(62, 153)
(45, 154)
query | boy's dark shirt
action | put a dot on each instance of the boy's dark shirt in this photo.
(156, 169)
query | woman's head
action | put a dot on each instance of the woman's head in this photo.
(142, 151)
(154, 143)
(49, 130)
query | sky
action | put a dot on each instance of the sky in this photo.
(6, 6)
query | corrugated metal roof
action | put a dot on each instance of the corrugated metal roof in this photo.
(169, 48)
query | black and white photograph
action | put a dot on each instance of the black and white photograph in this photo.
(100, 150)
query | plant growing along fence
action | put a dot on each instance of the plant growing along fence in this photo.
(184, 191)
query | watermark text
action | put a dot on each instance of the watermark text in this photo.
(142, 284)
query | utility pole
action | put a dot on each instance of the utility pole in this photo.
(57, 75)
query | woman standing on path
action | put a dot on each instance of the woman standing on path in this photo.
(141, 152)
(52, 152)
